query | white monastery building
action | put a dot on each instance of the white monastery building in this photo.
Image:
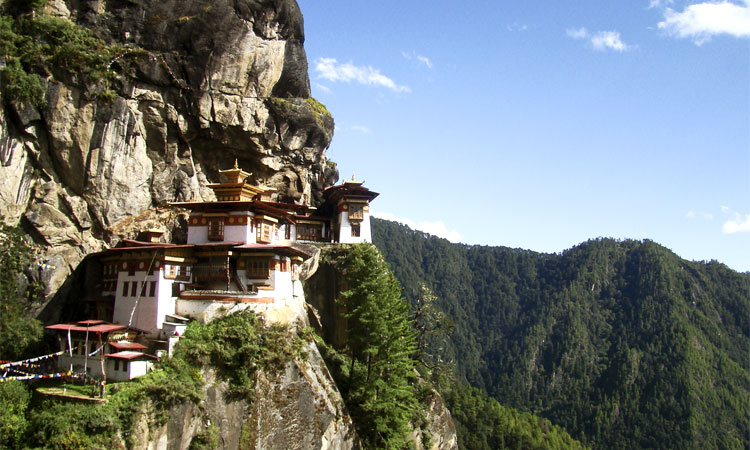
(243, 251)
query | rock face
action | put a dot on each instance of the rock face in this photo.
(298, 408)
(206, 83)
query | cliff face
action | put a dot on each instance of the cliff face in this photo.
(199, 85)
(298, 408)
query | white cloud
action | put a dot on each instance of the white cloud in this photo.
(736, 225)
(424, 60)
(608, 40)
(323, 88)
(697, 214)
(515, 26)
(332, 70)
(577, 33)
(702, 21)
(600, 40)
(418, 58)
(659, 3)
(361, 129)
(437, 228)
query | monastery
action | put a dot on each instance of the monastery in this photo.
(243, 251)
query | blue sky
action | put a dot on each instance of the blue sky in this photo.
(540, 124)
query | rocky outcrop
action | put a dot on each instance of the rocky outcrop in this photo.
(199, 84)
(297, 408)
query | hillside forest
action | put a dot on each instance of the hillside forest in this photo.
(622, 343)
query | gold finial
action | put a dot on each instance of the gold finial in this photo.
(235, 164)
(353, 179)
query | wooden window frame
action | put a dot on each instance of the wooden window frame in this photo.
(215, 230)
(258, 268)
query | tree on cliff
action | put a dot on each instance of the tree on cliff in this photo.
(18, 333)
(381, 343)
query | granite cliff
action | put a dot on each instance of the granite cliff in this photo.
(197, 85)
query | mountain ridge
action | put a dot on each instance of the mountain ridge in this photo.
(621, 342)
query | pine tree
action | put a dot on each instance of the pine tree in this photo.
(381, 343)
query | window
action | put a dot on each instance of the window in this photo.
(310, 232)
(355, 230)
(152, 290)
(125, 288)
(124, 366)
(257, 268)
(356, 212)
(117, 365)
(216, 229)
(133, 288)
(264, 231)
(143, 288)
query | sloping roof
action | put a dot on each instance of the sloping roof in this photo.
(281, 249)
(127, 346)
(101, 328)
(129, 355)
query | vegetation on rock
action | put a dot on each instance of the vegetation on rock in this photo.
(622, 343)
(377, 377)
(18, 332)
(235, 346)
(36, 47)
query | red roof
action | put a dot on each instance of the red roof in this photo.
(127, 346)
(131, 245)
(129, 355)
(90, 322)
(216, 244)
(102, 328)
(283, 249)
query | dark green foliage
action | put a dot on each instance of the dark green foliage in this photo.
(14, 399)
(621, 342)
(207, 439)
(379, 382)
(235, 346)
(18, 333)
(483, 424)
(36, 47)
(68, 426)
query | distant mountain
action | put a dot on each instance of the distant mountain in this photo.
(623, 343)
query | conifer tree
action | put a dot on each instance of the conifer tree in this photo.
(381, 343)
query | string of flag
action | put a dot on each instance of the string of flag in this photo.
(38, 358)
(36, 377)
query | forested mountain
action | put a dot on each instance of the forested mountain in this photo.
(623, 343)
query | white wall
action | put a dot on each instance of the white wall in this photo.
(197, 234)
(165, 301)
(146, 316)
(345, 229)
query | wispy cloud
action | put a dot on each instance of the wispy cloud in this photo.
(600, 40)
(701, 21)
(740, 223)
(421, 59)
(437, 228)
(361, 129)
(515, 26)
(659, 3)
(323, 88)
(331, 70)
(699, 215)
